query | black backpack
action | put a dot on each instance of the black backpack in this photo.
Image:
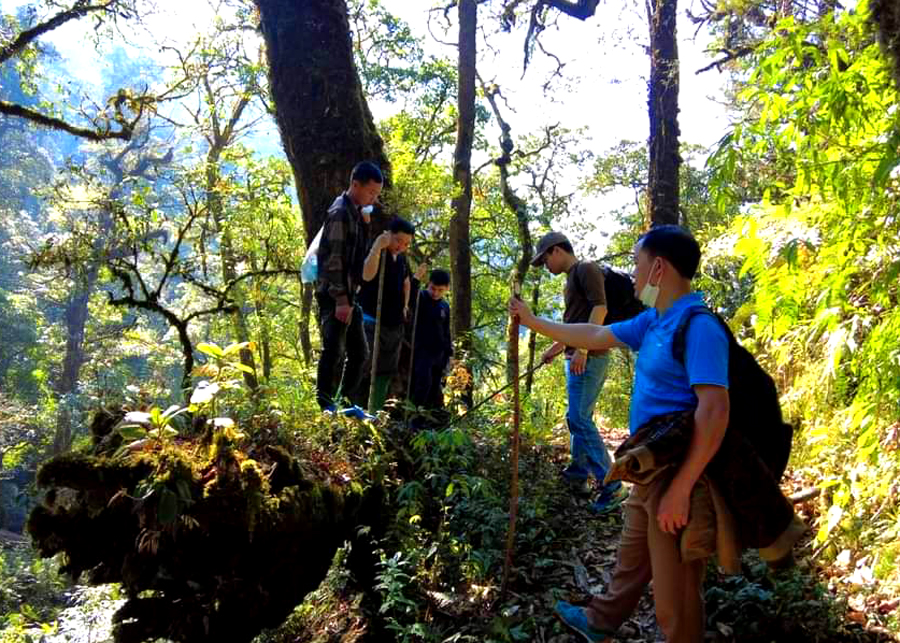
(621, 304)
(754, 408)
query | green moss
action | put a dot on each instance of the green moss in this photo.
(90, 473)
(224, 551)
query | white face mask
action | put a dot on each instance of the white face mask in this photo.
(649, 293)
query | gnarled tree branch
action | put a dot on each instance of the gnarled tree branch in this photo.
(102, 134)
(79, 10)
(581, 9)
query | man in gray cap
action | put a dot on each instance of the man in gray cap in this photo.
(585, 300)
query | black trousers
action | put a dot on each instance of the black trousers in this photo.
(426, 383)
(344, 351)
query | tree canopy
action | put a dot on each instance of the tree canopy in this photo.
(157, 348)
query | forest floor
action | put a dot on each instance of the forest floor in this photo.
(795, 606)
(584, 555)
(565, 552)
(579, 561)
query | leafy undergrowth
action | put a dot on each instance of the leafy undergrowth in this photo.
(441, 564)
(31, 590)
(428, 569)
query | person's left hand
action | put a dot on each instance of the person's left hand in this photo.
(406, 313)
(674, 509)
(578, 362)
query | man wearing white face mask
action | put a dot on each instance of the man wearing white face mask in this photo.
(341, 257)
(666, 259)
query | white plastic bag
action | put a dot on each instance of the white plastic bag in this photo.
(309, 269)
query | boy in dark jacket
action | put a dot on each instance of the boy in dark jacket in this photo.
(433, 347)
(341, 254)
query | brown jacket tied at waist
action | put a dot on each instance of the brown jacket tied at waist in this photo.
(738, 483)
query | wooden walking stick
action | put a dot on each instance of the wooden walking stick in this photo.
(412, 341)
(412, 346)
(514, 459)
(377, 346)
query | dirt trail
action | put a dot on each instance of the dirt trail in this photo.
(579, 561)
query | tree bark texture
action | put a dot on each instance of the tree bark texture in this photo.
(76, 315)
(886, 15)
(460, 244)
(663, 107)
(325, 123)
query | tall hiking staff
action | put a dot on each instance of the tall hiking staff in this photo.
(514, 459)
(412, 345)
(377, 346)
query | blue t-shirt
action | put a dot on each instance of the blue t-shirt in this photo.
(661, 384)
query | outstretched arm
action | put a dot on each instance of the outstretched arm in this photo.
(589, 336)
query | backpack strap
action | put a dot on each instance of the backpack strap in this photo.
(679, 339)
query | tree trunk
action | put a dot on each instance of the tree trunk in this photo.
(305, 317)
(663, 104)
(325, 123)
(886, 16)
(460, 251)
(520, 208)
(76, 315)
(216, 209)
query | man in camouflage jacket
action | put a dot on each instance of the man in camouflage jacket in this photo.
(340, 257)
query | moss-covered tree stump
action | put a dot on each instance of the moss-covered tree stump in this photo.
(208, 543)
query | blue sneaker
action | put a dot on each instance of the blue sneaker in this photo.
(609, 499)
(575, 619)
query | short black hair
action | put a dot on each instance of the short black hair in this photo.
(565, 245)
(439, 277)
(674, 244)
(398, 224)
(366, 172)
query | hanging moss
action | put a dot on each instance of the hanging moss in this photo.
(208, 543)
(886, 15)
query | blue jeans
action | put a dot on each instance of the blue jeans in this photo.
(589, 454)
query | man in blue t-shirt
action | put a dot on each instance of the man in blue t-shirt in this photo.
(666, 259)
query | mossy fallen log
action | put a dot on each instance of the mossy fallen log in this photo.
(208, 542)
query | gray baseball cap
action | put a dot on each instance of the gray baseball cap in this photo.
(547, 241)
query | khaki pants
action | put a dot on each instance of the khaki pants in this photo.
(646, 553)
